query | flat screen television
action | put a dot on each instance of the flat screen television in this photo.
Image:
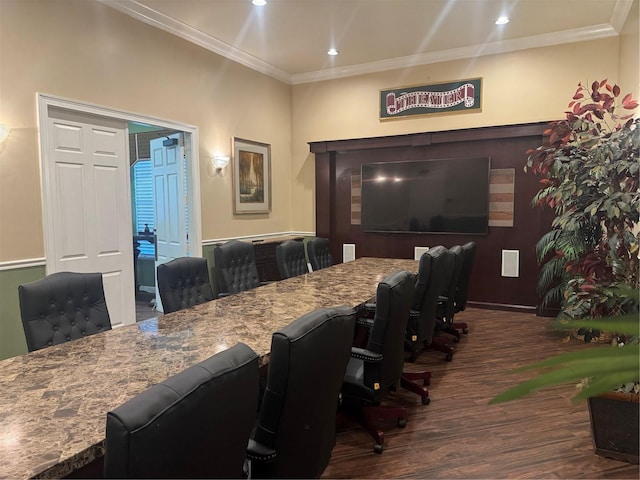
(429, 196)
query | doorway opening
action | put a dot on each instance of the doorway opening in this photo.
(160, 207)
(90, 206)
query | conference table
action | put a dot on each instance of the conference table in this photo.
(54, 401)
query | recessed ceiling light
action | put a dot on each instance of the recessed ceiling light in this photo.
(332, 51)
(502, 20)
(259, 3)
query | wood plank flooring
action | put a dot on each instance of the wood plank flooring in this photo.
(458, 435)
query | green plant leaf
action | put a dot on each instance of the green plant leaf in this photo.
(605, 384)
(627, 324)
(575, 366)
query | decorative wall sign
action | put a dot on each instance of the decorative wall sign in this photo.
(452, 97)
(251, 177)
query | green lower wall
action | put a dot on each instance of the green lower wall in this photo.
(12, 340)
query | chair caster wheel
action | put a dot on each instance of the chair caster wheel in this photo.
(426, 400)
(456, 339)
(449, 357)
(426, 382)
(465, 330)
(402, 422)
(377, 448)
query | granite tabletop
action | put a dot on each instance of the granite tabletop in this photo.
(53, 402)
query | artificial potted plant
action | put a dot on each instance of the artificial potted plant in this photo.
(589, 165)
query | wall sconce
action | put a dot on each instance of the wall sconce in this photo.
(5, 130)
(220, 161)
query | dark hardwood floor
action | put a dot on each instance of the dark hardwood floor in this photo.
(458, 435)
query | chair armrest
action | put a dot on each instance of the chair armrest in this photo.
(366, 355)
(258, 452)
(224, 294)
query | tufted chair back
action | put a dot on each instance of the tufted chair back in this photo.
(61, 307)
(184, 282)
(450, 285)
(297, 420)
(291, 259)
(319, 253)
(195, 424)
(235, 266)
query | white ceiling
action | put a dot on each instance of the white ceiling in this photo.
(288, 39)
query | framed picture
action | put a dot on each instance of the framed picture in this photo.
(251, 167)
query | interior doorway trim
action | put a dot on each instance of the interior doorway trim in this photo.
(45, 101)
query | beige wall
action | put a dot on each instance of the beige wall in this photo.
(85, 51)
(630, 52)
(526, 86)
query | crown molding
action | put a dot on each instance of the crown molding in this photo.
(159, 20)
(186, 32)
(620, 13)
(557, 38)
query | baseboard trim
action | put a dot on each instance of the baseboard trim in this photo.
(502, 306)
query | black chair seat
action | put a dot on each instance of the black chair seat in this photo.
(235, 267)
(195, 424)
(375, 370)
(319, 253)
(184, 282)
(61, 307)
(291, 259)
(295, 433)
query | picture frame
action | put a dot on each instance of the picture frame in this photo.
(251, 171)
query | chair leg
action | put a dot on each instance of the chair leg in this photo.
(409, 382)
(451, 331)
(439, 344)
(461, 326)
(369, 416)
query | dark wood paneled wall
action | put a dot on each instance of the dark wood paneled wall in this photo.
(505, 145)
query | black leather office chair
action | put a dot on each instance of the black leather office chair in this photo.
(447, 298)
(462, 292)
(376, 369)
(195, 424)
(61, 307)
(184, 282)
(235, 267)
(295, 432)
(291, 259)
(447, 272)
(422, 318)
(318, 251)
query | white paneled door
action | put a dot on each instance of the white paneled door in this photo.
(169, 191)
(87, 203)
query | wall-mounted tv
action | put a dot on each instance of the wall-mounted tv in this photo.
(429, 196)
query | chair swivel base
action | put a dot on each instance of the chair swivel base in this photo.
(461, 326)
(439, 344)
(369, 416)
(408, 381)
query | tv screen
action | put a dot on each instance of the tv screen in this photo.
(429, 196)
